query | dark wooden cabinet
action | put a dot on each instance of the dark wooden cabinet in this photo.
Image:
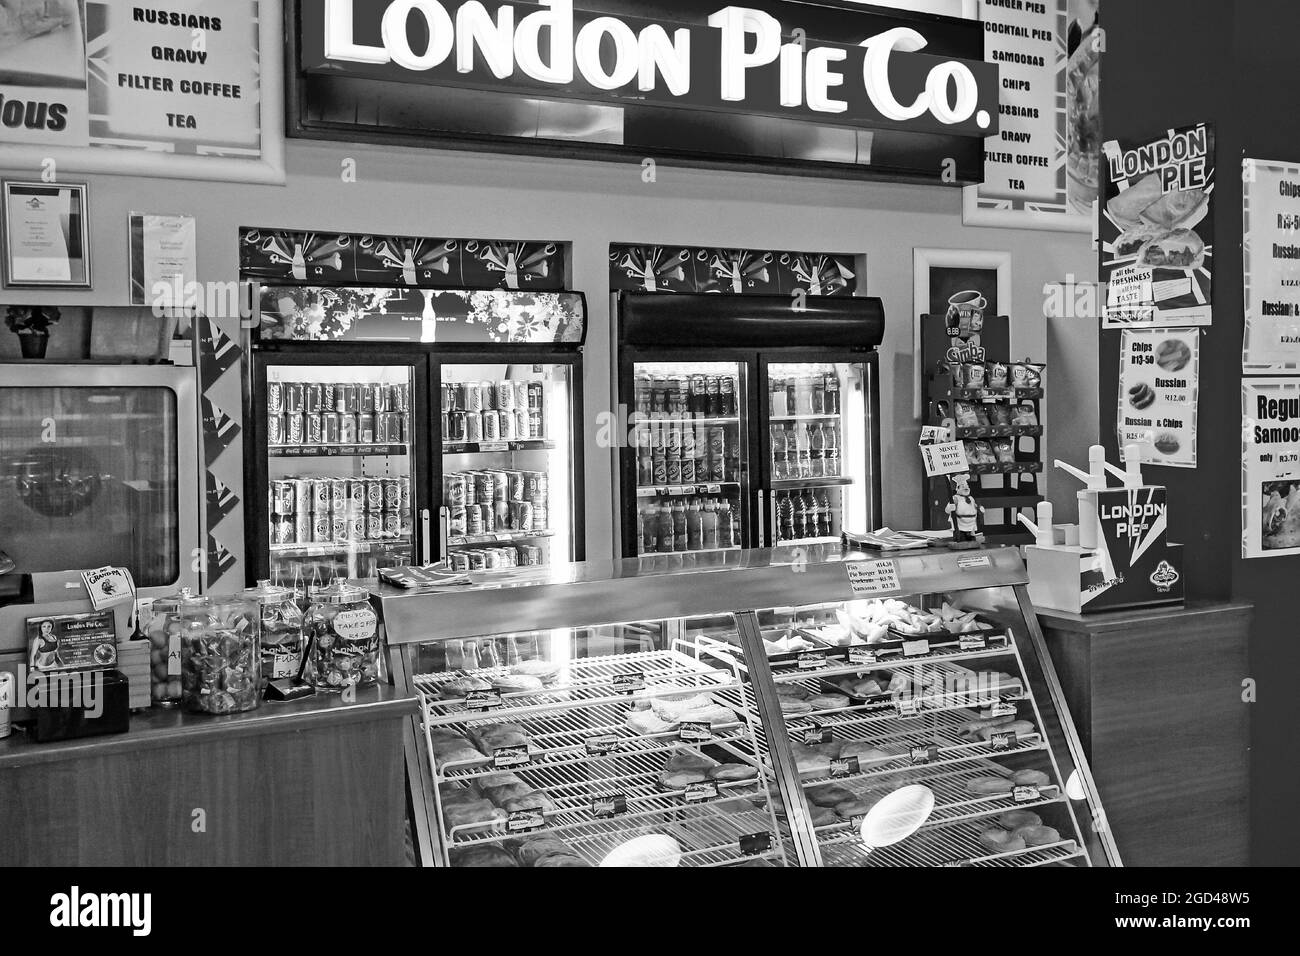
(1157, 697)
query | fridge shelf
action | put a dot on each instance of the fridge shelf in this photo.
(495, 447)
(336, 451)
(496, 537)
(795, 542)
(669, 554)
(677, 491)
(782, 484)
(324, 548)
(814, 417)
(956, 845)
(660, 419)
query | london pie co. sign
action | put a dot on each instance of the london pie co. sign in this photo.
(742, 61)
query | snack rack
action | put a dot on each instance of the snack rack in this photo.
(700, 632)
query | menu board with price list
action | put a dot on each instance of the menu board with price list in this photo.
(1271, 266)
(1158, 385)
(1270, 467)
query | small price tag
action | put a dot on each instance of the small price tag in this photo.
(1004, 740)
(974, 561)
(699, 792)
(755, 844)
(973, 642)
(1026, 794)
(1003, 708)
(862, 655)
(493, 446)
(677, 490)
(629, 683)
(602, 744)
(812, 660)
(873, 577)
(520, 821)
(844, 766)
(919, 755)
(608, 805)
(694, 732)
(482, 700)
(908, 707)
(816, 734)
(282, 665)
(917, 648)
(714, 489)
(517, 756)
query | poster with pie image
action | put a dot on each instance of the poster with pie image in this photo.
(1270, 467)
(1157, 227)
(1271, 267)
(1158, 388)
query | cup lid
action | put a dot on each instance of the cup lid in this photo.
(340, 592)
(267, 593)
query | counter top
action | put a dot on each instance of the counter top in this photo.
(168, 727)
(1125, 619)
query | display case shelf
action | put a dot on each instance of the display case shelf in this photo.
(686, 490)
(830, 481)
(325, 548)
(495, 537)
(372, 450)
(496, 447)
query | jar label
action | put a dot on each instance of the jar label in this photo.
(356, 626)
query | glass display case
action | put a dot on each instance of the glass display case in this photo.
(841, 710)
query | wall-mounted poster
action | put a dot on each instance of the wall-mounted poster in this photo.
(637, 268)
(1158, 388)
(189, 88)
(1270, 467)
(1156, 228)
(162, 251)
(1041, 167)
(1271, 266)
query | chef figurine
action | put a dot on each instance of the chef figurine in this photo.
(964, 513)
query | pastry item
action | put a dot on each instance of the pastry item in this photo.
(1132, 240)
(1174, 208)
(864, 751)
(828, 702)
(1126, 207)
(1167, 443)
(464, 686)
(504, 794)
(681, 779)
(532, 849)
(23, 20)
(1018, 727)
(562, 859)
(811, 763)
(858, 806)
(1030, 778)
(454, 793)
(533, 800)
(475, 814)
(828, 794)
(795, 707)
(449, 748)
(495, 736)
(1037, 834)
(1000, 841)
(482, 856)
(822, 816)
(544, 671)
(686, 758)
(1019, 818)
(731, 772)
(988, 785)
(1172, 355)
(516, 684)
(792, 692)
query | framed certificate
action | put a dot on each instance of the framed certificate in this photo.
(46, 235)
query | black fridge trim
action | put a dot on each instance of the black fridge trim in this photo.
(653, 320)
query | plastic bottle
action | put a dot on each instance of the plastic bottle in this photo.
(679, 526)
(785, 518)
(709, 529)
(816, 449)
(640, 530)
(665, 528)
(831, 450)
(826, 528)
(800, 518)
(780, 467)
(726, 527)
(693, 527)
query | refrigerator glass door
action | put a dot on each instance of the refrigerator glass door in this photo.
(818, 430)
(691, 439)
(339, 466)
(507, 465)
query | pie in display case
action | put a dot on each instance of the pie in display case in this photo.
(848, 710)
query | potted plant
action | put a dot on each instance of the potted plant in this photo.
(31, 323)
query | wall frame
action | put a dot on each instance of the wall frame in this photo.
(44, 227)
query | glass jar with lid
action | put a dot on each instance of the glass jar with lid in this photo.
(164, 634)
(281, 629)
(343, 638)
(220, 655)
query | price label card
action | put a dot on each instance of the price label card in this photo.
(811, 660)
(482, 700)
(844, 766)
(602, 744)
(973, 642)
(493, 446)
(945, 458)
(862, 655)
(974, 561)
(694, 732)
(1026, 794)
(676, 490)
(520, 821)
(873, 577)
(608, 805)
(504, 757)
(755, 844)
(282, 665)
(816, 734)
(919, 755)
(630, 682)
(909, 707)
(713, 489)
(1003, 708)
(918, 648)
(700, 792)
(1004, 740)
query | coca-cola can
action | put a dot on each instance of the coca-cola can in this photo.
(374, 494)
(392, 524)
(392, 494)
(507, 425)
(374, 525)
(293, 397)
(491, 426)
(477, 561)
(456, 522)
(521, 516)
(535, 424)
(321, 496)
(329, 401)
(331, 428)
(322, 526)
(293, 428)
(274, 398)
(347, 428)
(473, 426)
(517, 482)
(496, 516)
(505, 395)
(282, 529)
(530, 555)
(521, 396)
(368, 396)
(500, 485)
(312, 433)
(484, 486)
(471, 398)
(275, 428)
(302, 525)
(357, 495)
(492, 559)
(365, 428)
(311, 397)
(453, 490)
(388, 428)
(448, 391)
(459, 561)
(487, 395)
(521, 424)
(346, 397)
(338, 495)
(474, 520)
(282, 497)
(303, 496)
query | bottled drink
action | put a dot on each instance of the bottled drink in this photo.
(715, 397)
(665, 528)
(804, 453)
(679, 526)
(776, 394)
(728, 396)
(825, 527)
(470, 661)
(299, 589)
(487, 654)
(640, 530)
(791, 452)
(709, 527)
(699, 403)
(645, 468)
(800, 518)
(681, 395)
(658, 394)
(818, 394)
(831, 380)
(816, 449)
(689, 475)
(779, 464)
(642, 391)
(791, 399)
(693, 527)
(726, 527)
(785, 518)
(831, 450)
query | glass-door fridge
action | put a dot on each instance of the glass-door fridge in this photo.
(751, 423)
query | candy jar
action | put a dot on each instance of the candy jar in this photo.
(281, 629)
(220, 657)
(343, 636)
(164, 633)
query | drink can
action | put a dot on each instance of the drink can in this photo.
(311, 397)
(356, 494)
(329, 397)
(459, 561)
(535, 396)
(339, 526)
(517, 482)
(392, 524)
(456, 522)
(492, 558)
(370, 397)
(331, 428)
(274, 398)
(322, 525)
(471, 399)
(374, 525)
(507, 425)
(535, 425)
(473, 520)
(302, 527)
(491, 426)
(346, 397)
(535, 486)
(448, 391)
(347, 428)
(311, 431)
(484, 486)
(529, 555)
(338, 495)
(356, 526)
(659, 465)
(293, 425)
(505, 395)
(521, 515)
(282, 497)
(496, 516)
(388, 428)
(320, 496)
(521, 396)
(293, 396)
(717, 453)
(487, 395)
(365, 428)
(541, 517)
(673, 469)
(500, 486)
(471, 487)
(473, 426)
(302, 496)
(374, 495)
(275, 428)
(453, 493)
(282, 529)
(392, 494)
(477, 561)
(521, 424)
(688, 469)
(404, 494)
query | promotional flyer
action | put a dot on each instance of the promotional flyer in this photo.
(1271, 266)
(1270, 467)
(1158, 386)
(1157, 228)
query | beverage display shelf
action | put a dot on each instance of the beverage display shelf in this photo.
(317, 549)
(495, 447)
(807, 417)
(337, 451)
(496, 537)
(687, 489)
(830, 481)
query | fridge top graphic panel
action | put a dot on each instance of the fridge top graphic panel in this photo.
(403, 315)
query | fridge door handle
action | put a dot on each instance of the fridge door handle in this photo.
(425, 536)
(444, 532)
(762, 518)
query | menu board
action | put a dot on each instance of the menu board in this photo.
(1157, 227)
(1270, 467)
(1271, 266)
(1158, 386)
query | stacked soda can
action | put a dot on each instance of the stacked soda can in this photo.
(490, 559)
(337, 413)
(492, 411)
(486, 502)
(333, 509)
